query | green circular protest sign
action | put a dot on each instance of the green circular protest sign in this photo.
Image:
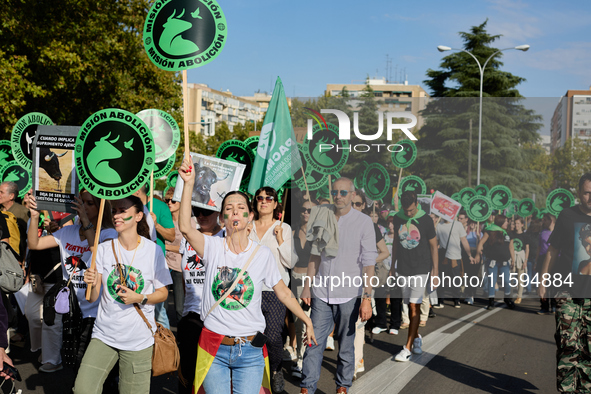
(479, 208)
(360, 171)
(376, 181)
(526, 207)
(252, 143)
(412, 183)
(481, 190)
(456, 197)
(405, 154)
(236, 151)
(184, 34)
(165, 132)
(315, 180)
(466, 194)
(558, 200)
(325, 153)
(163, 168)
(114, 154)
(14, 172)
(500, 197)
(323, 191)
(298, 176)
(172, 178)
(5, 152)
(23, 134)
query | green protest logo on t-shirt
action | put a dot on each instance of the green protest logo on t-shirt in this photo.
(242, 294)
(133, 280)
(517, 245)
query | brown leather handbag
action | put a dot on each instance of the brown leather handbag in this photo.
(165, 356)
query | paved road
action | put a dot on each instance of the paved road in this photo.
(466, 350)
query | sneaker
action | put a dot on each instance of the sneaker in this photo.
(457, 304)
(330, 343)
(470, 300)
(404, 326)
(417, 344)
(378, 330)
(439, 305)
(393, 331)
(543, 312)
(278, 383)
(403, 355)
(296, 372)
(49, 368)
(360, 366)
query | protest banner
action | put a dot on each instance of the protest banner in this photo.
(238, 152)
(445, 207)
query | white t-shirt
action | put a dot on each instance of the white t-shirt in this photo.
(193, 269)
(119, 325)
(240, 314)
(77, 253)
(454, 251)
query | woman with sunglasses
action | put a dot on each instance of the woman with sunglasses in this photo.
(133, 275)
(75, 250)
(232, 325)
(268, 230)
(191, 324)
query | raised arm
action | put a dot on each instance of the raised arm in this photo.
(191, 234)
(33, 240)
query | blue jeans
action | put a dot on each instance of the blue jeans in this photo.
(240, 367)
(530, 265)
(496, 271)
(161, 315)
(324, 316)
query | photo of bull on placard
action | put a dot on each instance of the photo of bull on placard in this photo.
(214, 178)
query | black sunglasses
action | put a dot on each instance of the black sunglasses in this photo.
(306, 210)
(357, 203)
(167, 200)
(336, 192)
(268, 198)
(204, 212)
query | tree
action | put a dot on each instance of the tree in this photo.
(71, 58)
(507, 126)
(570, 162)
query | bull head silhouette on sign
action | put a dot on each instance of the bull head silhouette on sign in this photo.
(171, 40)
(99, 157)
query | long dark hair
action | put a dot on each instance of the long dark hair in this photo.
(107, 221)
(142, 226)
(497, 236)
(270, 192)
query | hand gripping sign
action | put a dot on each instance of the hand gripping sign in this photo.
(114, 156)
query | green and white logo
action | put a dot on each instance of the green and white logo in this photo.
(236, 151)
(405, 156)
(360, 171)
(558, 200)
(517, 245)
(376, 181)
(165, 131)
(412, 183)
(14, 172)
(163, 168)
(241, 295)
(466, 194)
(23, 134)
(252, 143)
(5, 152)
(172, 178)
(479, 208)
(114, 154)
(526, 207)
(133, 280)
(319, 157)
(456, 197)
(500, 197)
(184, 34)
(481, 190)
(323, 191)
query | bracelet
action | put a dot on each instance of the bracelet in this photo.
(90, 225)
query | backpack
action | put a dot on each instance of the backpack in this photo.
(12, 277)
(15, 234)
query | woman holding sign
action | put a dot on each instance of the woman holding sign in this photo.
(134, 274)
(231, 347)
(73, 242)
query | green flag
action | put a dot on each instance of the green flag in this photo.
(277, 156)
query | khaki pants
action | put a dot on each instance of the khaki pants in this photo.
(135, 369)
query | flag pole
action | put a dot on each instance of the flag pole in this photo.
(96, 242)
(306, 183)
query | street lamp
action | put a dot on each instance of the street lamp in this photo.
(442, 48)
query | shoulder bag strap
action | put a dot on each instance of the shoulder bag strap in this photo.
(137, 307)
(231, 289)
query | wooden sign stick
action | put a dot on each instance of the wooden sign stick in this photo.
(329, 190)
(284, 205)
(151, 191)
(186, 113)
(306, 183)
(96, 242)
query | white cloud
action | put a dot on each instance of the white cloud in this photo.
(573, 58)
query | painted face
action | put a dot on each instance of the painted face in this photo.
(125, 215)
(236, 212)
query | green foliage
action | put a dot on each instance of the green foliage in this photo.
(570, 162)
(510, 141)
(71, 58)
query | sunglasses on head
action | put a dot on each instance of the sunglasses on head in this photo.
(268, 198)
(204, 212)
(357, 203)
(344, 193)
(306, 210)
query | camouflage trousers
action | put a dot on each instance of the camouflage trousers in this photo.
(573, 343)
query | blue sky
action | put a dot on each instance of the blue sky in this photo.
(309, 44)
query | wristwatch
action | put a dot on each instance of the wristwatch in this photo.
(145, 300)
(90, 225)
